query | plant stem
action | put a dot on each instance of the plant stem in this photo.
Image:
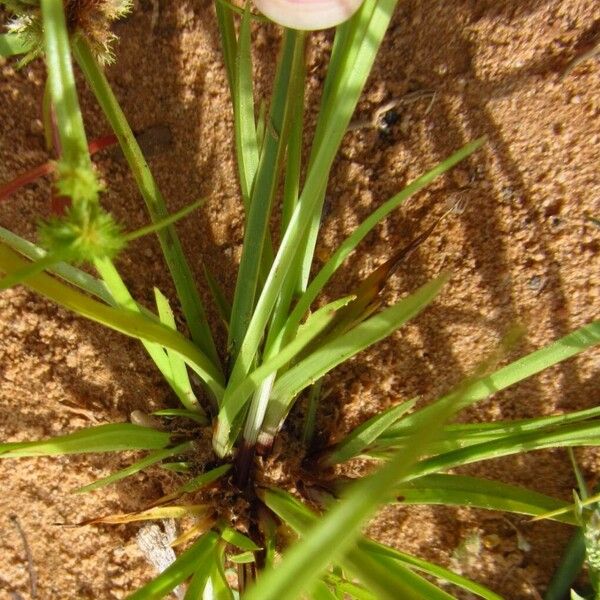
(62, 85)
(309, 199)
(171, 246)
(254, 419)
(263, 190)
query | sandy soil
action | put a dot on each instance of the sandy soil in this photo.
(523, 251)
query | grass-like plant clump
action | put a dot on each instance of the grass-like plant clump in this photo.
(281, 545)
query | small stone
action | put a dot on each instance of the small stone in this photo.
(491, 541)
(535, 283)
(507, 193)
(461, 177)
(36, 127)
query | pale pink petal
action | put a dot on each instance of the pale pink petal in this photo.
(308, 14)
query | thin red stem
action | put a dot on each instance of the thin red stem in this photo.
(22, 180)
(47, 168)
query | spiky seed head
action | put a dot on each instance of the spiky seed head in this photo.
(92, 18)
(77, 182)
(85, 233)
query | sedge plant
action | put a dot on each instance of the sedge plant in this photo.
(289, 542)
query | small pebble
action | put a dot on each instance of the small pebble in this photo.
(36, 127)
(535, 283)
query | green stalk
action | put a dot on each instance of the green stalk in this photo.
(309, 199)
(263, 191)
(292, 62)
(171, 246)
(348, 42)
(73, 141)
(228, 41)
(246, 140)
(291, 189)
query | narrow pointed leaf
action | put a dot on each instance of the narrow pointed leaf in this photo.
(192, 559)
(579, 340)
(352, 241)
(300, 518)
(123, 299)
(243, 103)
(243, 558)
(236, 397)
(467, 434)
(194, 415)
(181, 380)
(125, 321)
(257, 248)
(200, 528)
(373, 548)
(228, 42)
(238, 539)
(577, 434)
(187, 292)
(136, 467)
(309, 199)
(165, 222)
(197, 483)
(364, 435)
(21, 276)
(113, 437)
(389, 579)
(336, 351)
(569, 508)
(153, 514)
(65, 271)
(461, 490)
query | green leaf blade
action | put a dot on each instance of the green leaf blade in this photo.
(113, 437)
(336, 351)
(136, 467)
(191, 560)
(458, 490)
(570, 345)
(364, 435)
(13, 44)
(179, 378)
(179, 268)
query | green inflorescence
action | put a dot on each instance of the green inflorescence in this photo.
(86, 232)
